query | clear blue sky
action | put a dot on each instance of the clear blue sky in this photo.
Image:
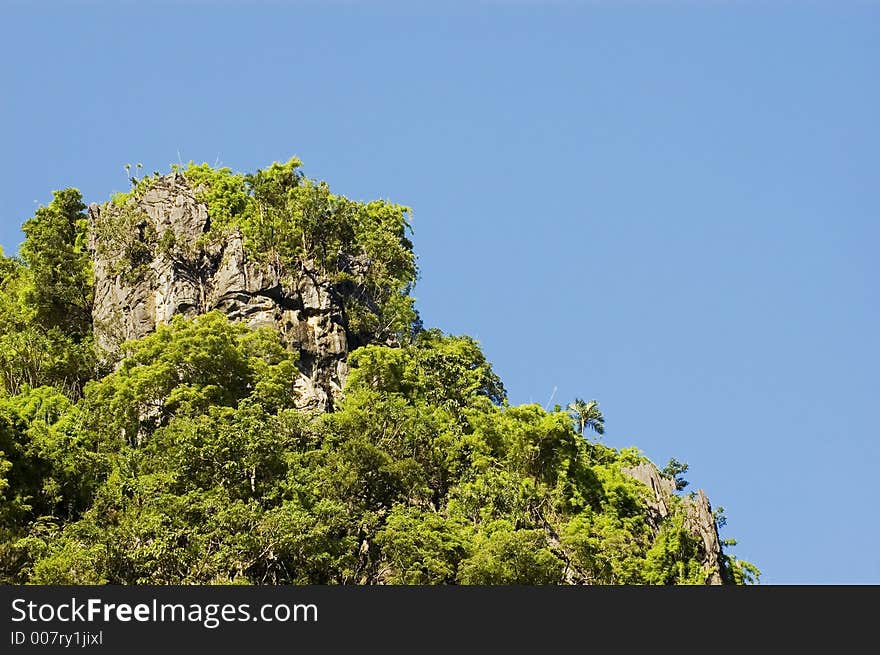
(672, 207)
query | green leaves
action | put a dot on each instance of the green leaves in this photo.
(674, 558)
(293, 224)
(189, 465)
(422, 547)
(223, 192)
(45, 302)
(675, 470)
(503, 555)
(57, 256)
(587, 415)
(186, 367)
(442, 370)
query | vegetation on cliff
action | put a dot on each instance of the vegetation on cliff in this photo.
(189, 463)
(294, 225)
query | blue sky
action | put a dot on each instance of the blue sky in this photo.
(671, 207)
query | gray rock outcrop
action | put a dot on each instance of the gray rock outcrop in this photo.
(152, 262)
(662, 488)
(700, 522)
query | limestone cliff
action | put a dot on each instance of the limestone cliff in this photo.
(152, 260)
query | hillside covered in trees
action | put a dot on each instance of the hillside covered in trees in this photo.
(222, 378)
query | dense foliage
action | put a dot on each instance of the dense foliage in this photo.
(188, 463)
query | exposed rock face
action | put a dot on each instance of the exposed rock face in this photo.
(180, 274)
(663, 488)
(700, 522)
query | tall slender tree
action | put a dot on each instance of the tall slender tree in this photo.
(586, 414)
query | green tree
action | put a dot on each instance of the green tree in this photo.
(45, 302)
(56, 253)
(675, 469)
(505, 556)
(586, 414)
(186, 367)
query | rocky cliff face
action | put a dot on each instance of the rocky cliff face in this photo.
(151, 262)
(700, 520)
